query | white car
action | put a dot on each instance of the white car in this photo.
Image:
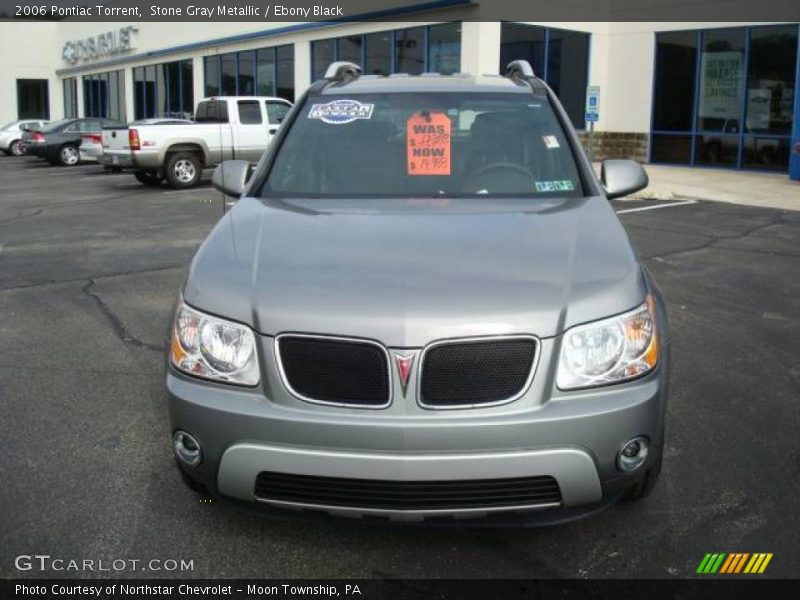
(230, 127)
(11, 135)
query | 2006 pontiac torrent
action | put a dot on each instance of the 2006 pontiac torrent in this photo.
(422, 305)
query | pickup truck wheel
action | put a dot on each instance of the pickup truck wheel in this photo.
(183, 170)
(148, 177)
(69, 155)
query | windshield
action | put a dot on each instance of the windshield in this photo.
(55, 125)
(415, 144)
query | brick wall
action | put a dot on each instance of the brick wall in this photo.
(612, 144)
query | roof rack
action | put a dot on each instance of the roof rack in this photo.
(519, 69)
(342, 70)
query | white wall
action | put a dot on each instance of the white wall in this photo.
(28, 50)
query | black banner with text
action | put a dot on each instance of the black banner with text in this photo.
(401, 10)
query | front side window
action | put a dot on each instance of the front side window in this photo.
(276, 111)
(421, 145)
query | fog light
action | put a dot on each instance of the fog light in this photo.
(633, 454)
(186, 448)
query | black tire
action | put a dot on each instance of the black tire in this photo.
(646, 484)
(69, 155)
(183, 170)
(148, 178)
(15, 148)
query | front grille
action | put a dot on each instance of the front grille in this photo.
(333, 370)
(407, 495)
(476, 371)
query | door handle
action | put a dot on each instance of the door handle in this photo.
(273, 129)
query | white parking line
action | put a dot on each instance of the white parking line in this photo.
(98, 176)
(189, 191)
(71, 173)
(657, 206)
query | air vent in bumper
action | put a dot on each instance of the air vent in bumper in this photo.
(317, 491)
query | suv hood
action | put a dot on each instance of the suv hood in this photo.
(407, 273)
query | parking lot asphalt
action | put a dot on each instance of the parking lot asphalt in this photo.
(90, 264)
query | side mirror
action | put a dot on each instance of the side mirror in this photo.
(622, 177)
(231, 176)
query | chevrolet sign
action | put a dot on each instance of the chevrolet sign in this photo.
(99, 46)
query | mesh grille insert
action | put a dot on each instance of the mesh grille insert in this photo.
(339, 371)
(407, 495)
(476, 372)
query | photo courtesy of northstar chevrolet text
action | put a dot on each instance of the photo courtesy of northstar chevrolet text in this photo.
(369, 291)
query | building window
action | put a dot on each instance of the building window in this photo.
(104, 95)
(350, 48)
(676, 56)
(211, 76)
(414, 51)
(163, 90)
(323, 53)
(444, 48)
(409, 51)
(725, 97)
(284, 86)
(263, 72)
(559, 56)
(70, 98)
(33, 99)
(378, 53)
(522, 42)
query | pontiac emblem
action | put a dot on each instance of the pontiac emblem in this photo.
(405, 363)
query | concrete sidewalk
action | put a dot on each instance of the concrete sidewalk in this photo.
(770, 190)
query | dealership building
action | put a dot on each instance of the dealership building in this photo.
(701, 94)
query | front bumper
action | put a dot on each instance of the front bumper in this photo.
(573, 437)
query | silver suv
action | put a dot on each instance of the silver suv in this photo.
(422, 305)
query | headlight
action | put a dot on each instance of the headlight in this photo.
(213, 348)
(611, 350)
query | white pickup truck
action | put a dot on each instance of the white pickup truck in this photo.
(223, 128)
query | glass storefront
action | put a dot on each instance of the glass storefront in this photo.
(163, 90)
(559, 56)
(261, 72)
(415, 50)
(725, 97)
(104, 95)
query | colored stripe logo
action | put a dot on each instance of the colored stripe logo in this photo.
(734, 563)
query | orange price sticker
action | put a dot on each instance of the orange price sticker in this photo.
(428, 143)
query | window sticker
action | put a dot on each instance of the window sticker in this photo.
(563, 185)
(340, 112)
(550, 142)
(428, 143)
